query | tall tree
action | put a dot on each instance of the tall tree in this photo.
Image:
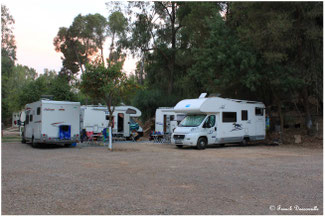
(80, 42)
(283, 44)
(156, 26)
(117, 24)
(99, 26)
(8, 57)
(108, 84)
(8, 43)
(73, 51)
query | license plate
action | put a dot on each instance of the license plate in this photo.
(178, 142)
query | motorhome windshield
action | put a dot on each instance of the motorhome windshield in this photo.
(192, 121)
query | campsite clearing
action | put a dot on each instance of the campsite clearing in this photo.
(147, 178)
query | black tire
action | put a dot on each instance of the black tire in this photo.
(201, 143)
(67, 145)
(222, 145)
(23, 140)
(244, 142)
(179, 146)
(34, 145)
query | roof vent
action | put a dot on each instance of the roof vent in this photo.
(203, 95)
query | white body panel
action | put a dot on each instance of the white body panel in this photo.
(166, 120)
(226, 130)
(94, 119)
(47, 117)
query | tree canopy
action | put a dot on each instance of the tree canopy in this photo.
(263, 51)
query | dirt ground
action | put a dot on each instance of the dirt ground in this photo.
(154, 179)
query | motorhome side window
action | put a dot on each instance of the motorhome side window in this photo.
(229, 117)
(259, 111)
(244, 115)
(172, 117)
(211, 120)
(107, 117)
(30, 118)
(38, 110)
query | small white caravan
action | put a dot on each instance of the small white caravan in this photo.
(216, 120)
(15, 119)
(55, 122)
(94, 119)
(166, 120)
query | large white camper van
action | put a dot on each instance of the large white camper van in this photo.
(94, 119)
(216, 120)
(166, 120)
(55, 122)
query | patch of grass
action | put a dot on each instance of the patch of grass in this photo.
(10, 139)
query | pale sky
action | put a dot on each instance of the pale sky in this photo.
(37, 23)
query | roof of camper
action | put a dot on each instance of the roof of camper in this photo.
(208, 105)
(46, 101)
(117, 108)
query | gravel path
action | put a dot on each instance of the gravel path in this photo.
(154, 179)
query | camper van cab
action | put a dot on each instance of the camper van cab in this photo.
(55, 122)
(216, 120)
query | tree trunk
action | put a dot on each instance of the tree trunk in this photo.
(308, 119)
(78, 58)
(111, 50)
(172, 64)
(102, 54)
(280, 113)
(110, 111)
(141, 71)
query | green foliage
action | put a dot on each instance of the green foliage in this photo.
(148, 100)
(288, 36)
(8, 57)
(108, 84)
(80, 42)
(117, 23)
(223, 64)
(8, 43)
(49, 83)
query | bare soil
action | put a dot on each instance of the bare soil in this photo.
(154, 179)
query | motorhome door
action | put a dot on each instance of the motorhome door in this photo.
(259, 121)
(126, 124)
(211, 129)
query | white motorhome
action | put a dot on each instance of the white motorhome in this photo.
(55, 122)
(94, 119)
(166, 120)
(216, 120)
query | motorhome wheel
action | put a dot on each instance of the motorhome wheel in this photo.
(23, 140)
(33, 143)
(244, 142)
(201, 143)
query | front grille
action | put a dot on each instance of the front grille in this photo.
(178, 137)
